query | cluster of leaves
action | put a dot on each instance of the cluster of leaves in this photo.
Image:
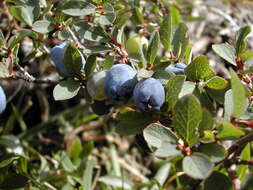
(202, 109)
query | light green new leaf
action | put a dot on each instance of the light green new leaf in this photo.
(187, 117)
(217, 83)
(227, 131)
(242, 170)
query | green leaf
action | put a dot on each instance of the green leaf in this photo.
(26, 13)
(199, 69)
(228, 105)
(108, 15)
(206, 122)
(42, 26)
(175, 14)
(161, 140)
(153, 48)
(6, 68)
(89, 32)
(242, 170)
(217, 181)
(78, 8)
(76, 149)
(208, 137)
(188, 55)
(226, 51)
(240, 42)
(8, 161)
(116, 182)
(131, 122)
(144, 74)
(238, 95)
(73, 60)
(227, 131)
(215, 152)
(179, 40)
(173, 88)
(90, 65)
(197, 166)
(2, 39)
(138, 15)
(66, 89)
(246, 55)
(217, 83)
(87, 176)
(186, 118)
(64, 160)
(108, 62)
(166, 32)
(163, 76)
(122, 18)
(162, 174)
(188, 88)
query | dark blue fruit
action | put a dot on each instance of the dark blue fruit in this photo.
(119, 83)
(3, 100)
(149, 95)
(180, 65)
(57, 56)
(101, 108)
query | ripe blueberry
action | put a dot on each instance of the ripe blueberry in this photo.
(149, 95)
(119, 83)
(57, 56)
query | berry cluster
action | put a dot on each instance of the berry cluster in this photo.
(116, 86)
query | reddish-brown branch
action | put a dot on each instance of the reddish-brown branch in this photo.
(120, 50)
(244, 162)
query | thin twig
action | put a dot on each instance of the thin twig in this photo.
(232, 173)
(132, 170)
(172, 178)
(244, 162)
(75, 38)
(241, 142)
(34, 80)
(95, 180)
(49, 186)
